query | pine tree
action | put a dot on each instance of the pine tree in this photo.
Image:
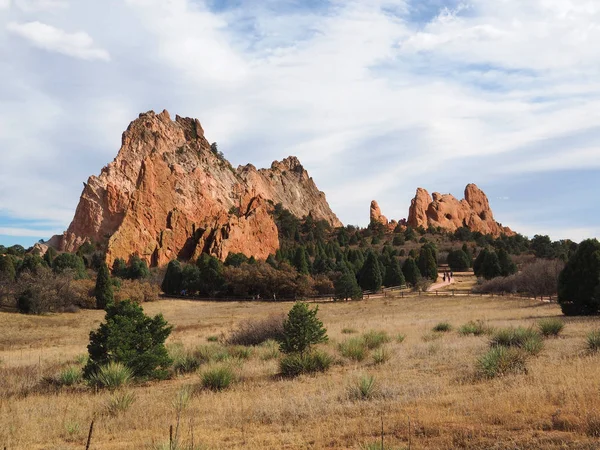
(302, 329)
(427, 263)
(507, 267)
(411, 272)
(491, 266)
(579, 281)
(7, 267)
(346, 287)
(138, 269)
(465, 249)
(458, 261)
(171, 284)
(370, 275)
(119, 268)
(49, 256)
(103, 291)
(132, 338)
(300, 261)
(393, 274)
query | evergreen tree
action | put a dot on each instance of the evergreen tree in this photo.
(465, 249)
(49, 256)
(458, 261)
(235, 259)
(103, 291)
(579, 281)
(370, 276)
(393, 274)
(507, 266)
(119, 268)
(70, 261)
(346, 287)
(31, 262)
(491, 266)
(427, 263)
(138, 269)
(130, 337)
(212, 277)
(300, 261)
(478, 263)
(302, 329)
(171, 284)
(411, 272)
(7, 267)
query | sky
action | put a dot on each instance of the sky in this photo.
(375, 97)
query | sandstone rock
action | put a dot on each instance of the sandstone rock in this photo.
(375, 214)
(168, 195)
(447, 212)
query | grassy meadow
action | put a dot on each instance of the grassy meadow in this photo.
(390, 369)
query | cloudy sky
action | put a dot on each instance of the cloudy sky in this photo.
(375, 97)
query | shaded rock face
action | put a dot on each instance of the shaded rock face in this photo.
(168, 195)
(445, 211)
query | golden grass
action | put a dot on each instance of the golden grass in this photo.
(431, 381)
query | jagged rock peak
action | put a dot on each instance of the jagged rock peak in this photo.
(167, 194)
(375, 214)
(445, 211)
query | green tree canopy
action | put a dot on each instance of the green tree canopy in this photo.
(171, 284)
(411, 272)
(70, 261)
(458, 261)
(579, 281)
(346, 287)
(132, 338)
(393, 274)
(103, 290)
(427, 263)
(302, 329)
(370, 275)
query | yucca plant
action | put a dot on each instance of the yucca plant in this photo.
(551, 327)
(111, 376)
(119, 402)
(381, 355)
(364, 389)
(218, 378)
(69, 376)
(354, 348)
(500, 361)
(593, 341)
(374, 339)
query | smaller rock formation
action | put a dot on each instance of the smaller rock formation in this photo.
(376, 216)
(445, 211)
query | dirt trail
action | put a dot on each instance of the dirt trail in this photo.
(440, 284)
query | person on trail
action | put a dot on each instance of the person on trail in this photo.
(451, 274)
(444, 277)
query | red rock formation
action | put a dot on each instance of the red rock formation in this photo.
(447, 212)
(167, 194)
(375, 214)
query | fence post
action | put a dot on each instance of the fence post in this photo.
(89, 439)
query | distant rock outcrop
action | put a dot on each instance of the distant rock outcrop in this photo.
(446, 212)
(375, 214)
(168, 194)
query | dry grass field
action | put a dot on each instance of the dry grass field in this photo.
(428, 382)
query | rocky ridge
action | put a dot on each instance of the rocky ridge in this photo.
(168, 195)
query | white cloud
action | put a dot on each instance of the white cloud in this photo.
(374, 103)
(27, 232)
(4, 4)
(78, 44)
(31, 6)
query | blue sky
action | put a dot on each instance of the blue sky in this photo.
(376, 98)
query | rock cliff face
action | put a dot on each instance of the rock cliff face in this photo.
(375, 214)
(447, 212)
(167, 194)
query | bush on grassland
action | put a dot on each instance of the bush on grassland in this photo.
(296, 364)
(527, 339)
(551, 326)
(500, 361)
(137, 291)
(218, 378)
(257, 331)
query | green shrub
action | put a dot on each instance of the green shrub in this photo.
(119, 402)
(348, 331)
(354, 348)
(240, 352)
(69, 376)
(500, 361)
(130, 337)
(185, 363)
(112, 376)
(593, 341)
(211, 353)
(519, 337)
(551, 327)
(381, 355)
(374, 339)
(476, 328)
(296, 364)
(302, 329)
(442, 327)
(212, 338)
(364, 389)
(400, 338)
(218, 378)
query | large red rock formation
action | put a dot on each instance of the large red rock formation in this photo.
(167, 194)
(447, 212)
